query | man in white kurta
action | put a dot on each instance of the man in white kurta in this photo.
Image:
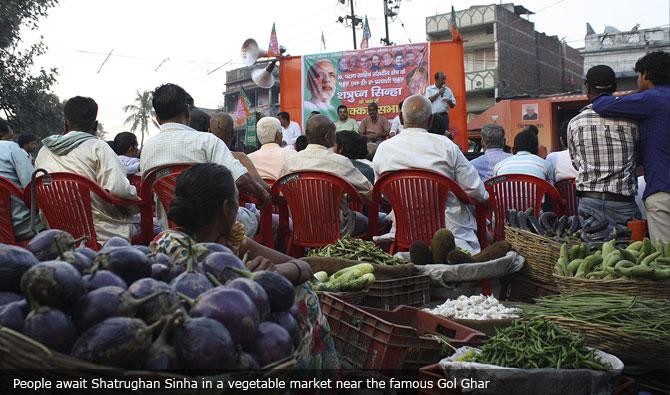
(79, 151)
(416, 148)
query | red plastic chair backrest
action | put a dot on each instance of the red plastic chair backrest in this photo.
(136, 181)
(313, 199)
(568, 190)
(162, 181)
(519, 192)
(7, 190)
(65, 201)
(419, 200)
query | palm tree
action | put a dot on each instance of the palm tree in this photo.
(141, 112)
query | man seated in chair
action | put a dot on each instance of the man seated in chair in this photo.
(79, 151)
(418, 149)
(320, 133)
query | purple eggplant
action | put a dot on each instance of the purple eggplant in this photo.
(143, 249)
(80, 261)
(161, 258)
(286, 321)
(272, 344)
(190, 282)
(52, 328)
(120, 342)
(126, 262)
(9, 297)
(295, 312)
(13, 314)
(103, 278)
(163, 355)
(105, 302)
(205, 344)
(280, 291)
(89, 252)
(115, 242)
(154, 309)
(255, 292)
(220, 265)
(50, 244)
(160, 272)
(246, 362)
(52, 283)
(202, 250)
(14, 262)
(231, 307)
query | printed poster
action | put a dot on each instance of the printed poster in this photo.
(385, 75)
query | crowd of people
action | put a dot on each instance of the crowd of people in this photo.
(606, 147)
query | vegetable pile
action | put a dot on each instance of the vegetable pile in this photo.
(476, 307)
(125, 307)
(535, 345)
(357, 250)
(350, 279)
(443, 250)
(640, 260)
(638, 317)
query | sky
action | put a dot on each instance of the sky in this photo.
(192, 43)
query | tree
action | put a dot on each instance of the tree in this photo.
(141, 113)
(25, 99)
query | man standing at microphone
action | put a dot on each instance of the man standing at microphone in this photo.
(442, 98)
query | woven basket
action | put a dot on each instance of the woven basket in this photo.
(630, 349)
(382, 272)
(647, 289)
(29, 359)
(541, 253)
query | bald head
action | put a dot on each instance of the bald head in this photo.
(221, 125)
(320, 130)
(416, 112)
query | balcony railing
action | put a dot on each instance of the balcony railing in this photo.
(480, 80)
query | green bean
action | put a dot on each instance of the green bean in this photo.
(358, 250)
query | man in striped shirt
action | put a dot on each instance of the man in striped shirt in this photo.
(603, 150)
(525, 159)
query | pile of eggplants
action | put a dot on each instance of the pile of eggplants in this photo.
(546, 224)
(126, 307)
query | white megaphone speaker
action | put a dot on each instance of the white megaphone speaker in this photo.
(264, 77)
(250, 52)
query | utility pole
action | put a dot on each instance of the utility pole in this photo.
(353, 18)
(388, 13)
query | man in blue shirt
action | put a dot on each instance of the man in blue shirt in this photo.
(493, 141)
(17, 168)
(651, 108)
(525, 159)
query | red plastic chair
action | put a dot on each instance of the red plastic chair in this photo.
(313, 199)
(7, 190)
(65, 201)
(568, 190)
(519, 192)
(419, 200)
(160, 181)
(136, 181)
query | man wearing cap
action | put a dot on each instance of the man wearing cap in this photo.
(603, 150)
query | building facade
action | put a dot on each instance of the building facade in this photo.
(264, 101)
(505, 56)
(620, 50)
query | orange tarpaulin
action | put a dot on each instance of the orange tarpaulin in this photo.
(446, 56)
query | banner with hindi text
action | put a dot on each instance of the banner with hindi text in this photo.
(385, 75)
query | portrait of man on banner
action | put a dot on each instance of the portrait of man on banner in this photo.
(321, 86)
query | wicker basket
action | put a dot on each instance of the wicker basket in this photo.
(630, 349)
(647, 289)
(30, 360)
(541, 253)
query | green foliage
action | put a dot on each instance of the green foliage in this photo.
(25, 99)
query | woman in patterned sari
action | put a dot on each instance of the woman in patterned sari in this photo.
(204, 209)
